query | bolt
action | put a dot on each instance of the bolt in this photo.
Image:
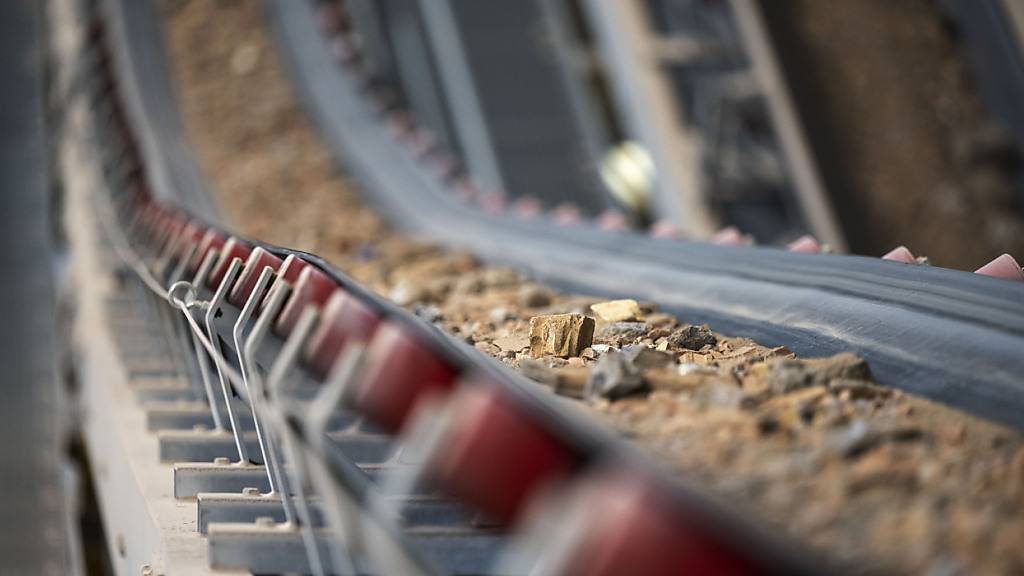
(200, 428)
(265, 522)
(221, 461)
(251, 491)
(147, 570)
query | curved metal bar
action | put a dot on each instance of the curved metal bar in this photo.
(211, 332)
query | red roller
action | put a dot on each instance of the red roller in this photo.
(495, 455)
(492, 202)
(233, 248)
(628, 528)
(258, 260)
(806, 244)
(399, 371)
(730, 236)
(174, 227)
(527, 206)
(212, 240)
(192, 234)
(422, 142)
(443, 163)
(1004, 267)
(313, 288)
(612, 220)
(143, 209)
(399, 123)
(900, 254)
(288, 272)
(466, 190)
(292, 267)
(664, 229)
(157, 228)
(566, 213)
(344, 319)
(165, 226)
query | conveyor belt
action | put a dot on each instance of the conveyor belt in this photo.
(947, 335)
(170, 302)
(952, 336)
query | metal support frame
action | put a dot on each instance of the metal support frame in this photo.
(476, 142)
(811, 194)
(650, 114)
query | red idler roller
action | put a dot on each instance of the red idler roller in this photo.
(153, 220)
(492, 202)
(145, 211)
(288, 273)
(731, 236)
(612, 220)
(156, 218)
(191, 235)
(292, 267)
(399, 123)
(1003, 267)
(233, 248)
(466, 190)
(344, 319)
(527, 206)
(329, 18)
(212, 240)
(444, 164)
(173, 225)
(806, 244)
(664, 229)
(343, 50)
(565, 214)
(422, 142)
(900, 254)
(495, 455)
(626, 526)
(399, 372)
(254, 265)
(313, 288)
(154, 226)
(140, 196)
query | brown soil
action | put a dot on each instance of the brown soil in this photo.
(870, 475)
(912, 155)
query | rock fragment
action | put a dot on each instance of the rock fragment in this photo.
(789, 374)
(858, 389)
(513, 343)
(644, 358)
(532, 296)
(860, 437)
(621, 373)
(429, 312)
(566, 381)
(244, 59)
(692, 338)
(617, 310)
(619, 333)
(500, 315)
(561, 335)
(614, 377)
(487, 347)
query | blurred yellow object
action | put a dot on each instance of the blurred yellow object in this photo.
(628, 171)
